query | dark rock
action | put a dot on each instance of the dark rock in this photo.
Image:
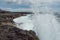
(8, 32)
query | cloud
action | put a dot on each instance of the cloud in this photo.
(18, 1)
(14, 1)
(28, 1)
(17, 5)
(40, 1)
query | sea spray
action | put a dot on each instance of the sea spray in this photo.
(45, 23)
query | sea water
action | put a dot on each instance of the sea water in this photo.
(43, 20)
(45, 24)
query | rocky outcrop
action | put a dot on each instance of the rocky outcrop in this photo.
(8, 30)
(6, 17)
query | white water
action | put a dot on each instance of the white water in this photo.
(24, 22)
(45, 24)
(47, 27)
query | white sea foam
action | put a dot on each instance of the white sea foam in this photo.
(43, 21)
(24, 23)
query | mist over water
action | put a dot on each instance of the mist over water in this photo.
(46, 27)
(45, 23)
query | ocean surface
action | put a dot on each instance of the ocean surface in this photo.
(46, 26)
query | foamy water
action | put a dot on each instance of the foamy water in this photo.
(47, 27)
(44, 24)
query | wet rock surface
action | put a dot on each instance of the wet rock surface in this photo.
(7, 17)
(8, 32)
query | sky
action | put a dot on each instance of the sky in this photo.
(25, 5)
(14, 5)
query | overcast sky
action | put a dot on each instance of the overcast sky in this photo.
(16, 5)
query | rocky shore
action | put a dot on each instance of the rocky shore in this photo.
(8, 30)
